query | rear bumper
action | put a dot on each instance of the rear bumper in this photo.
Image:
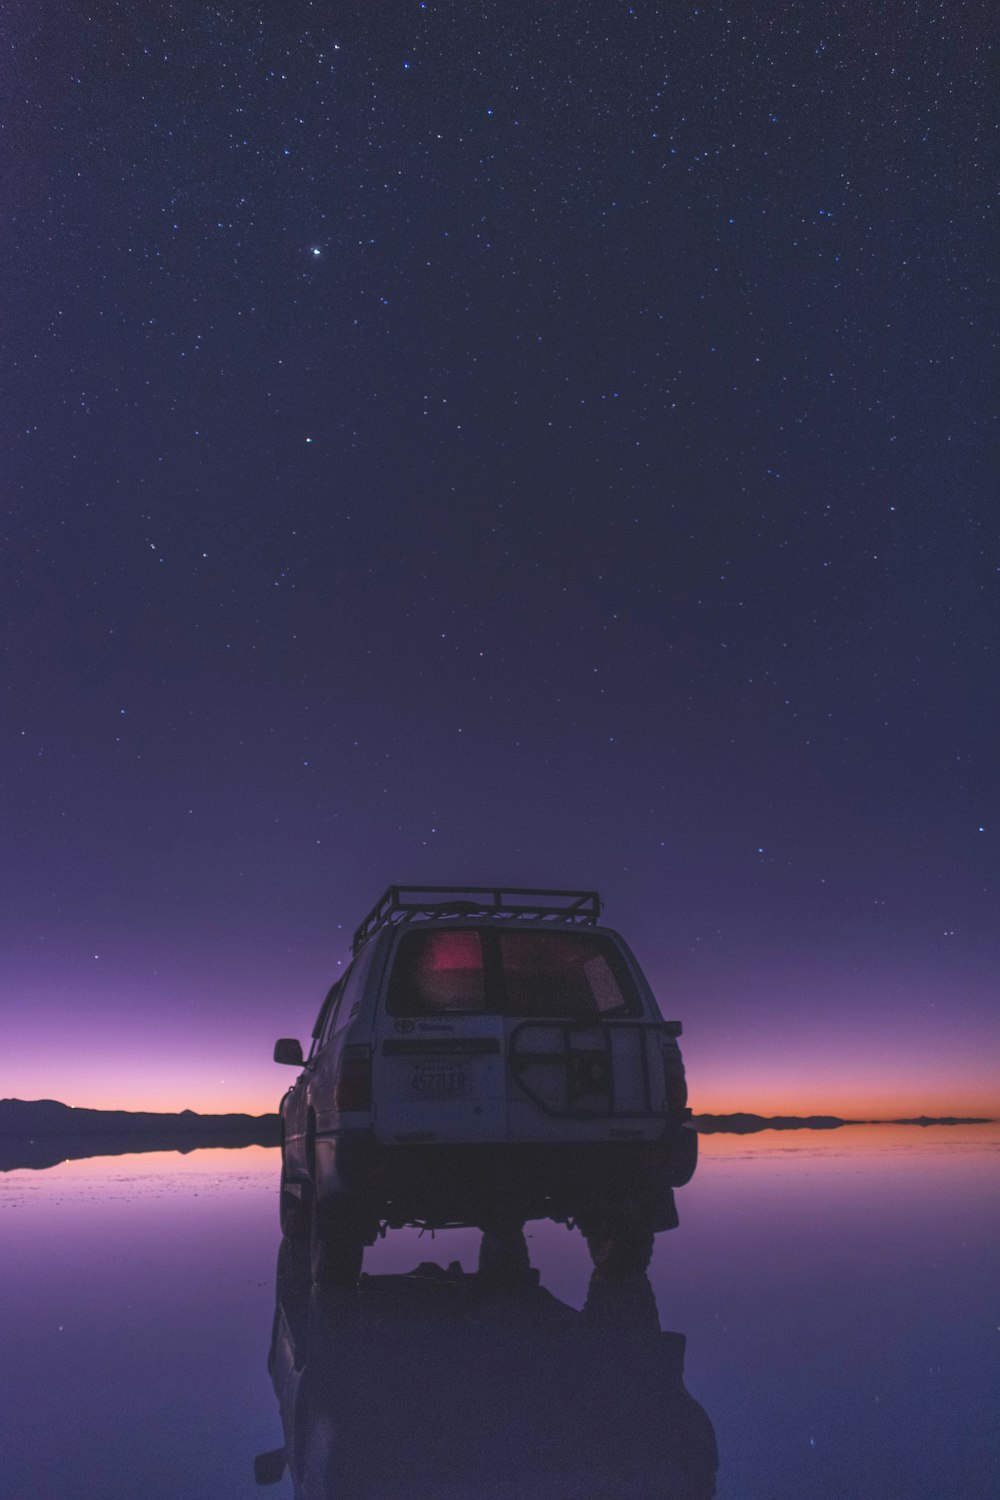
(484, 1184)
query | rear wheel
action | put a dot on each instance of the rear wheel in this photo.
(503, 1256)
(293, 1207)
(337, 1245)
(621, 1243)
(684, 1156)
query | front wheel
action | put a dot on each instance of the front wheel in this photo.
(337, 1246)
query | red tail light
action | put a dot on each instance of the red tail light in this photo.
(674, 1081)
(353, 1089)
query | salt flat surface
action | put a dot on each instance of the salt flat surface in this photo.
(836, 1291)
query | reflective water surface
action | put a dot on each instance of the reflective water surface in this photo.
(823, 1323)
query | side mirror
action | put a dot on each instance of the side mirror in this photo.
(289, 1050)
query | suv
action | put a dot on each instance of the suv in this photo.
(490, 1056)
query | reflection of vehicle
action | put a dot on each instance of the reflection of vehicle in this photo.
(490, 1056)
(434, 1385)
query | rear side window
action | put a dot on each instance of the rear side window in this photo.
(324, 1026)
(344, 999)
(565, 975)
(438, 971)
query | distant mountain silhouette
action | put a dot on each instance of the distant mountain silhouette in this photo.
(42, 1132)
(48, 1117)
(744, 1124)
(748, 1124)
(933, 1120)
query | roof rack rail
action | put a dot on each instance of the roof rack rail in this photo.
(402, 903)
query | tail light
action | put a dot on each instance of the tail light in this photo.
(353, 1089)
(674, 1082)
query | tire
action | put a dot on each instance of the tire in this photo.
(336, 1246)
(293, 1208)
(621, 1244)
(624, 1305)
(503, 1257)
(684, 1157)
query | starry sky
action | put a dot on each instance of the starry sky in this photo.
(543, 444)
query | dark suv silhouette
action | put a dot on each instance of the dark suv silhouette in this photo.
(490, 1056)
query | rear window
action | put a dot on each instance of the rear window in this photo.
(566, 975)
(438, 971)
(562, 974)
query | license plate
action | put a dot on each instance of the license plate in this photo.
(443, 1082)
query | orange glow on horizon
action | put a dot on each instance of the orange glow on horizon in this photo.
(885, 1107)
(936, 1103)
(234, 1160)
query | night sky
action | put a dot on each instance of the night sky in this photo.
(500, 442)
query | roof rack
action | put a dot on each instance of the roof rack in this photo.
(403, 903)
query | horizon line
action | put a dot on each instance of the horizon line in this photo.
(694, 1113)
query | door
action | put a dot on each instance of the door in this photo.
(579, 1048)
(438, 1068)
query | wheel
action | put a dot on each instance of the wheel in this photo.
(503, 1256)
(684, 1157)
(293, 1208)
(337, 1245)
(625, 1305)
(621, 1244)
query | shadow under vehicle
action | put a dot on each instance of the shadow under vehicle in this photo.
(439, 1385)
(490, 1056)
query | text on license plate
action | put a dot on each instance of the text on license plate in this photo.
(439, 1083)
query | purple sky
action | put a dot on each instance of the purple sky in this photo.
(543, 445)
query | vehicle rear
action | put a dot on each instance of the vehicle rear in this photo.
(489, 1057)
(520, 1032)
